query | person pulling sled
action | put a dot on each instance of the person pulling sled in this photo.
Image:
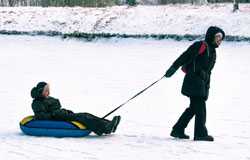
(197, 62)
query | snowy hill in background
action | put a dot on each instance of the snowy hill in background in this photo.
(168, 19)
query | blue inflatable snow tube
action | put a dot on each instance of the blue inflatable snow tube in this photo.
(51, 128)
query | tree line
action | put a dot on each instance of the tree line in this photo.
(59, 3)
(103, 3)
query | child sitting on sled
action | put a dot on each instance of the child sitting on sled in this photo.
(49, 108)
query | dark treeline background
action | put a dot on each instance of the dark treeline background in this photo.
(100, 3)
(70, 3)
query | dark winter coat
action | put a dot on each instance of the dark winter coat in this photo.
(199, 66)
(49, 108)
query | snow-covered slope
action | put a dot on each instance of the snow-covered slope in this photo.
(167, 19)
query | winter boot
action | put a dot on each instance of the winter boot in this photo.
(179, 134)
(204, 138)
(117, 121)
(109, 127)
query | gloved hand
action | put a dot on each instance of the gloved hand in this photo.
(170, 72)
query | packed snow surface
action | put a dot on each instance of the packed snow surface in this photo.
(97, 76)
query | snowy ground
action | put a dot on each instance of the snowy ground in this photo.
(97, 76)
(167, 19)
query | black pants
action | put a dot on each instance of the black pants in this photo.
(93, 123)
(198, 108)
(96, 124)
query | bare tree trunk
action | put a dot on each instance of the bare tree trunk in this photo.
(2, 3)
(149, 2)
(45, 3)
(199, 2)
(12, 3)
(131, 2)
(236, 5)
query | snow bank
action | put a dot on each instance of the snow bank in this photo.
(140, 20)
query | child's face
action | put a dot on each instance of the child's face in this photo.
(218, 39)
(46, 91)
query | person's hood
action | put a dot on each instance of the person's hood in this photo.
(210, 35)
(36, 92)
